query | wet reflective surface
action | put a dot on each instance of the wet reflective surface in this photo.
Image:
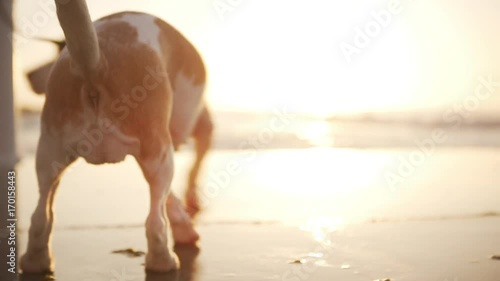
(187, 272)
(277, 252)
(277, 220)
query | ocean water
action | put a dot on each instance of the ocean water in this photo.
(295, 175)
(281, 129)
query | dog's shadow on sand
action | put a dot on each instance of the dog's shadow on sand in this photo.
(187, 256)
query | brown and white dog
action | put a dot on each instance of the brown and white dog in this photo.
(127, 84)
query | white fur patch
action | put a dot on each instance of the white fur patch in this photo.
(148, 30)
(186, 104)
(186, 86)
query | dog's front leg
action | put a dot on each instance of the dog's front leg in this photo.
(51, 161)
(158, 171)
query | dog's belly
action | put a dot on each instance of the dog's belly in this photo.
(109, 150)
(98, 144)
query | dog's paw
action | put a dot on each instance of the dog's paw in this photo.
(36, 264)
(192, 199)
(182, 226)
(184, 233)
(162, 263)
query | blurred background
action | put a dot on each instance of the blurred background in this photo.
(385, 110)
(414, 73)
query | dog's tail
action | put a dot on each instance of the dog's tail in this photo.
(81, 38)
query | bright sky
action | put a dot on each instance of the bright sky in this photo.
(267, 54)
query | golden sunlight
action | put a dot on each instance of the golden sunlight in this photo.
(317, 133)
(321, 227)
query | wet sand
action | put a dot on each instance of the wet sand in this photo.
(339, 221)
(448, 250)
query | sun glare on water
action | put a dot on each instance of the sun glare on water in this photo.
(321, 227)
(317, 133)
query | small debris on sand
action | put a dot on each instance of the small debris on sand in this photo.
(130, 253)
(298, 262)
(387, 279)
(345, 266)
(495, 257)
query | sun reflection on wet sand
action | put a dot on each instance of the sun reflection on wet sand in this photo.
(321, 227)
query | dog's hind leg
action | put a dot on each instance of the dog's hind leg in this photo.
(158, 170)
(202, 135)
(182, 227)
(51, 161)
